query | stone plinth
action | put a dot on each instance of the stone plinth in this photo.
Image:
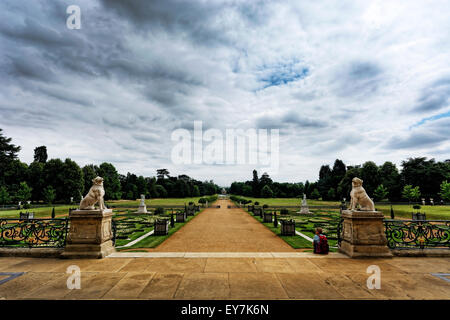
(90, 234)
(142, 209)
(363, 234)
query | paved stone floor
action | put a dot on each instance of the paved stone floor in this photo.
(224, 254)
(330, 277)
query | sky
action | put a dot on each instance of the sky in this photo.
(354, 80)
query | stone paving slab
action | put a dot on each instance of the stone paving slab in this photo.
(226, 278)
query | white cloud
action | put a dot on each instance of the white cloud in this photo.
(138, 70)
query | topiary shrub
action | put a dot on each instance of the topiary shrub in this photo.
(265, 206)
(284, 212)
(159, 211)
(256, 203)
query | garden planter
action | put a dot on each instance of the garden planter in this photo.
(181, 216)
(267, 216)
(287, 227)
(257, 212)
(161, 227)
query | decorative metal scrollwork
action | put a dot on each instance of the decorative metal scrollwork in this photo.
(417, 233)
(33, 233)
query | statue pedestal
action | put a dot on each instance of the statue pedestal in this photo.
(90, 234)
(363, 234)
(142, 209)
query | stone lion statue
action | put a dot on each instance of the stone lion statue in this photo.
(94, 196)
(359, 196)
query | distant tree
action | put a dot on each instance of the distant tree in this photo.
(265, 180)
(331, 194)
(24, 192)
(73, 181)
(89, 173)
(161, 191)
(36, 180)
(255, 184)
(49, 194)
(445, 190)
(53, 175)
(337, 174)
(411, 193)
(196, 191)
(266, 192)
(380, 193)
(371, 177)
(390, 178)
(161, 173)
(40, 154)
(426, 174)
(112, 183)
(315, 194)
(247, 190)
(4, 196)
(325, 182)
(8, 153)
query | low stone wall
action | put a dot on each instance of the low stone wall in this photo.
(31, 252)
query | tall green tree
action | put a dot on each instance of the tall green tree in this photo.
(24, 192)
(337, 174)
(36, 180)
(380, 193)
(73, 181)
(8, 153)
(427, 174)
(90, 171)
(411, 193)
(40, 154)
(445, 190)
(370, 176)
(4, 196)
(112, 183)
(49, 194)
(53, 174)
(266, 192)
(390, 179)
(255, 184)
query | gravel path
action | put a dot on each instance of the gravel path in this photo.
(224, 230)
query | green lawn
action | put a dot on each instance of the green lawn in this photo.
(152, 203)
(401, 211)
(63, 210)
(291, 201)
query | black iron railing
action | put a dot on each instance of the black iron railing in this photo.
(31, 233)
(407, 234)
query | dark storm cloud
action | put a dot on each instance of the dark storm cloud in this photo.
(358, 79)
(434, 97)
(204, 22)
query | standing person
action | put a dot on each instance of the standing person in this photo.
(320, 242)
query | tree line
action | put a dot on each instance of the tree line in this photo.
(58, 181)
(418, 177)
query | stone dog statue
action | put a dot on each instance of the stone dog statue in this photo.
(95, 195)
(359, 196)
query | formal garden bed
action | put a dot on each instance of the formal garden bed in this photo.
(131, 226)
(327, 220)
